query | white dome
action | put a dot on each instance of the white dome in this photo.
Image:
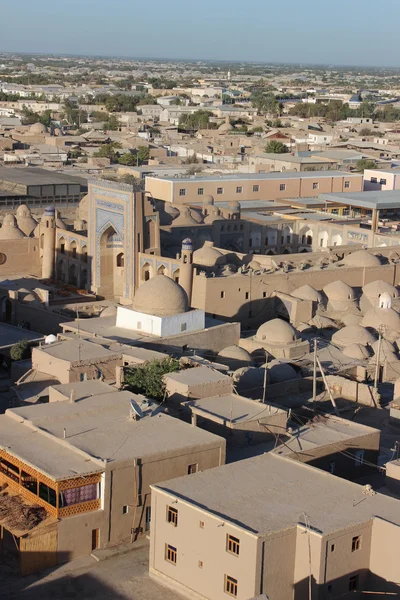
(50, 339)
(276, 331)
(385, 300)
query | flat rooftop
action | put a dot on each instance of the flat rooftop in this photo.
(197, 376)
(232, 409)
(287, 157)
(32, 176)
(83, 389)
(261, 176)
(270, 493)
(101, 427)
(371, 200)
(10, 335)
(328, 431)
(76, 350)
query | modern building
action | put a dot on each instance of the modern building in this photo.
(271, 525)
(252, 186)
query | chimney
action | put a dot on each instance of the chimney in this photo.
(72, 396)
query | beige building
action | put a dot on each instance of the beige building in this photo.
(267, 162)
(253, 186)
(89, 464)
(273, 526)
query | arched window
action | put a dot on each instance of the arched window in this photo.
(161, 270)
(42, 241)
(84, 254)
(120, 259)
(61, 243)
(73, 248)
(176, 275)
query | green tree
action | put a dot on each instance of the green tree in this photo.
(128, 159)
(365, 131)
(112, 124)
(20, 350)
(99, 117)
(365, 163)
(149, 379)
(143, 154)
(276, 147)
(198, 120)
(108, 151)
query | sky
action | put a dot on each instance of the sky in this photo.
(339, 32)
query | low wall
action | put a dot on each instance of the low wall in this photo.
(353, 390)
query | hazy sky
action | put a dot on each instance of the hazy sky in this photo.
(351, 32)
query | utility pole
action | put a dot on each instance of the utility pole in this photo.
(308, 525)
(378, 356)
(328, 389)
(265, 377)
(314, 395)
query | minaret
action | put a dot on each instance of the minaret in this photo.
(48, 230)
(186, 268)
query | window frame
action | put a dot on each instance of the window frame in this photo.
(182, 191)
(346, 185)
(172, 515)
(231, 586)
(356, 543)
(200, 191)
(239, 189)
(190, 468)
(282, 187)
(171, 554)
(220, 191)
(256, 188)
(232, 544)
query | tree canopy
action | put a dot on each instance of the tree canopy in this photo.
(197, 120)
(365, 163)
(108, 151)
(276, 147)
(148, 379)
(20, 350)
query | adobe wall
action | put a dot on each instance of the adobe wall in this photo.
(353, 390)
(22, 257)
(179, 392)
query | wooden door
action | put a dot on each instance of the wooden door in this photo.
(95, 538)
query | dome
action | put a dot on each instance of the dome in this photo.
(234, 357)
(25, 221)
(25, 295)
(110, 311)
(374, 289)
(208, 200)
(10, 229)
(386, 347)
(249, 381)
(187, 244)
(276, 331)
(196, 216)
(339, 291)
(38, 129)
(352, 334)
(185, 217)
(322, 322)
(234, 205)
(385, 300)
(307, 292)
(50, 211)
(225, 127)
(161, 296)
(208, 256)
(356, 351)
(351, 319)
(361, 258)
(280, 371)
(386, 317)
(213, 215)
(50, 339)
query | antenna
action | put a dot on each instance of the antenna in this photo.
(136, 411)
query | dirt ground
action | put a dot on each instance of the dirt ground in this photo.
(123, 577)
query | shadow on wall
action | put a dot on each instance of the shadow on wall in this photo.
(355, 585)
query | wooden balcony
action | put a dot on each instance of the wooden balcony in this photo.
(29, 483)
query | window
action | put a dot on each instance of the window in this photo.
(332, 547)
(264, 294)
(148, 517)
(125, 509)
(222, 294)
(232, 544)
(247, 295)
(239, 189)
(183, 326)
(182, 192)
(315, 186)
(201, 524)
(359, 458)
(374, 180)
(73, 251)
(62, 247)
(172, 515)
(192, 469)
(220, 190)
(256, 188)
(382, 181)
(200, 191)
(231, 586)
(347, 184)
(120, 259)
(95, 538)
(200, 564)
(282, 187)
(170, 554)
(82, 376)
(139, 325)
(332, 466)
(356, 543)
(353, 583)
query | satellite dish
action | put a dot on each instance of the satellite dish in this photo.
(136, 411)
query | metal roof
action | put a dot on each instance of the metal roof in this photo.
(371, 200)
(260, 176)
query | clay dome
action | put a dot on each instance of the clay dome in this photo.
(356, 351)
(280, 371)
(208, 256)
(351, 319)
(161, 296)
(110, 311)
(307, 292)
(196, 216)
(249, 381)
(25, 221)
(352, 334)
(10, 229)
(386, 347)
(234, 357)
(225, 127)
(213, 215)
(185, 217)
(386, 317)
(339, 291)
(374, 289)
(25, 295)
(361, 258)
(38, 129)
(276, 331)
(208, 200)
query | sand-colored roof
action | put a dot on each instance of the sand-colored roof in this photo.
(339, 291)
(10, 229)
(276, 331)
(353, 334)
(161, 296)
(361, 258)
(208, 256)
(307, 292)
